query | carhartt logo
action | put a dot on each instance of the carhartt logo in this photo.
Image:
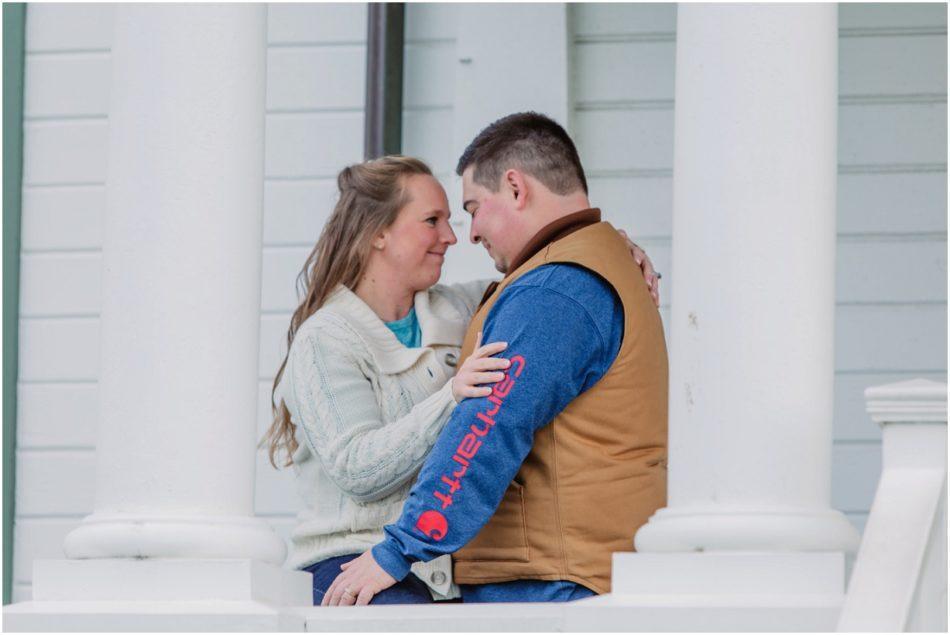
(432, 524)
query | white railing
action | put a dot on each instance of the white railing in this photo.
(899, 582)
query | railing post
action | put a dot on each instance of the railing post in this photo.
(899, 582)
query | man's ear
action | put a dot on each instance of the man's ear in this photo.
(517, 185)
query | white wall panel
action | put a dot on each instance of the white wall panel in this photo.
(310, 145)
(431, 21)
(325, 77)
(60, 284)
(275, 490)
(427, 135)
(641, 206)
(39, 538)
(22, 592)
(58, 218)
(64, 152)
(889, 134)
(280, 268)
(67, 85)
(599, 19)
(893, 65)
(892, 203)
(429, 75)
(273, 343)
(883, 338)
(57, 415)
(296, 211)
(855, 471)
(59, 349)
(624, 140)
(69, 26)
(891, 15)
(60, 482)
(867, 271)
(307, 23)
(646, 67)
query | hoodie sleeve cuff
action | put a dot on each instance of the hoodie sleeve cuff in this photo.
(392, 562)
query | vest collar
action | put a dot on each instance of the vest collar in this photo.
(555, 231)
(389, 353)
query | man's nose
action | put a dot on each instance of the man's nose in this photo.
(473, 234)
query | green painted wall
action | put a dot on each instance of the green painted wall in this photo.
(14, 23)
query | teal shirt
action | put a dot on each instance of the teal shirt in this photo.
(407, 330)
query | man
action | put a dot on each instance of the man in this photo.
(533, 487)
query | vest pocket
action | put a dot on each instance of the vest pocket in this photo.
(505, 537)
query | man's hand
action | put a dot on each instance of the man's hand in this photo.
(646, 266)
(361, 579)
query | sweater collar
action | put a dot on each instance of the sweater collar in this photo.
(390, 354)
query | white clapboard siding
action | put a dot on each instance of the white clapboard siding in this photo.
(64, 152)
(301, 78)
(317, 24)
(429, 74)
(307, 145)
(67, 85)
(880, 66)
(62, 483)
(903, 203)
(38, 538)
(892, 134)
(425, 132)
(296, 211)
(57, 415)
(623, 21)
(861, 19)
(62, 218)
(68, 27)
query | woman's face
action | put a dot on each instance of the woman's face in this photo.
(414, 246)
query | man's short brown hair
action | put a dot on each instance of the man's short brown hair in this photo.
(527, 141)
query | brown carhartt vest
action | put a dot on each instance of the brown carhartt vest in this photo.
(597, 472)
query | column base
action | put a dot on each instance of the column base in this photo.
(140, 536)
(710, 592)
(717, 528)
(159, 595)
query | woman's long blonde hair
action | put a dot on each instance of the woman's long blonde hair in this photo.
(371, 195)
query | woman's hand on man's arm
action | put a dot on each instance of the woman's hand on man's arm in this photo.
(651, 275)
(479, 370)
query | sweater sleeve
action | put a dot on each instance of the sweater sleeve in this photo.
(487, 439)
(342, 423)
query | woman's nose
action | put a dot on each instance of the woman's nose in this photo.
(449, 237)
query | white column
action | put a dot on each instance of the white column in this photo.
(181, 289)
(752, 357)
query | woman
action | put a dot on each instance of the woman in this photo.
(368, 383)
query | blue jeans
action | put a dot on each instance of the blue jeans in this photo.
(411, 590)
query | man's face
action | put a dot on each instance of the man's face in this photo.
(494, 221)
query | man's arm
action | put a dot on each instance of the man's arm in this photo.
(558, 347)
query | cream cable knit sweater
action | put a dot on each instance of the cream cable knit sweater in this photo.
(366, 411)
